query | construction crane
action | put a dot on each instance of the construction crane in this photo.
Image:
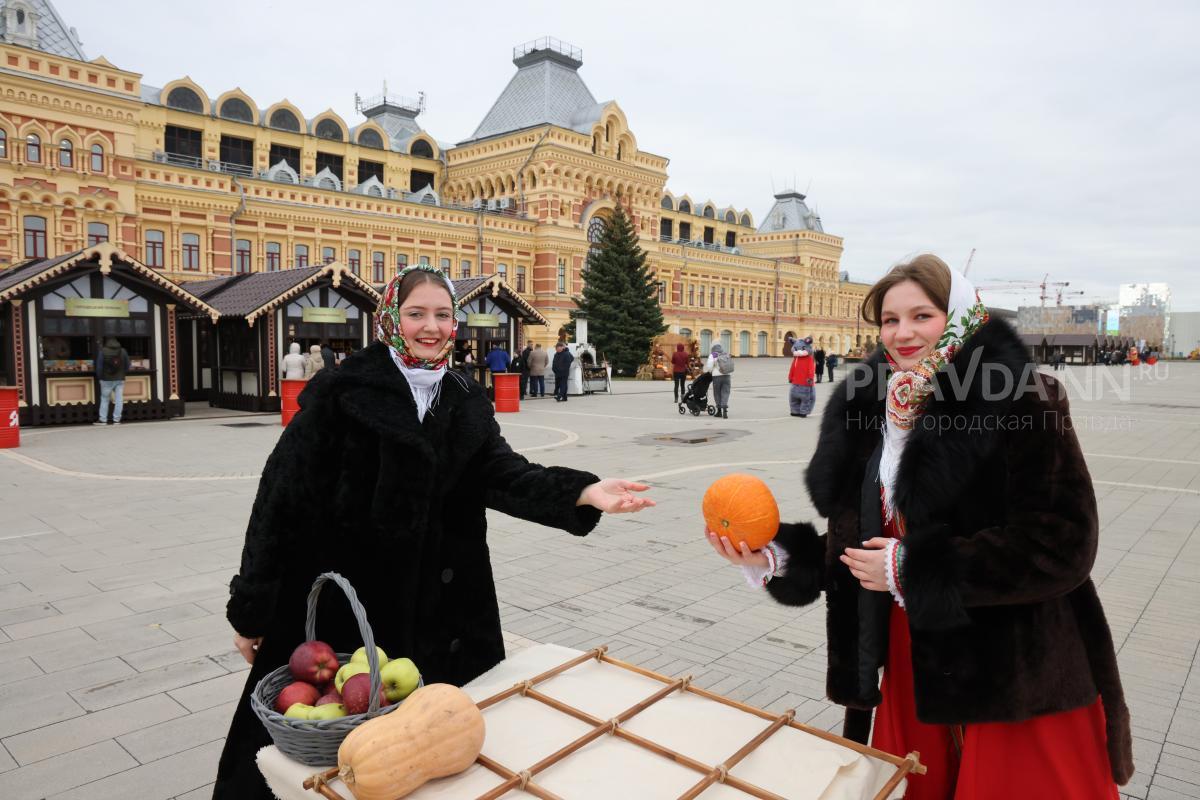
(1008, 286)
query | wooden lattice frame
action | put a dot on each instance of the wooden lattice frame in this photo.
(523, 779)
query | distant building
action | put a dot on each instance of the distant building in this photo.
(1184, 336)
(1050, 320)
(1145, 312)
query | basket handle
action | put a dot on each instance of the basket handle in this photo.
(364, 627)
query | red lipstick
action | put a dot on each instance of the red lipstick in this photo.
(908, 351)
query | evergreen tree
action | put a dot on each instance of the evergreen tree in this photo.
(620, 297)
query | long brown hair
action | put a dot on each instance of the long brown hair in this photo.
(926, 270)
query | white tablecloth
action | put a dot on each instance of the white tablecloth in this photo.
(521, 731)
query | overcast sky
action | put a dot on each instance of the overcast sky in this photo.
(1053, 137)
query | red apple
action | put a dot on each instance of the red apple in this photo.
(328, 688)
(313, 662)
(298, 692)
(356, 694)
(329, 697)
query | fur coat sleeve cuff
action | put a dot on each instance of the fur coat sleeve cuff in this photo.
(251, 606)
(801, 584)
(931, 594)
(547, 496)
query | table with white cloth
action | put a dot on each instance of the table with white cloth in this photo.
(521, 731)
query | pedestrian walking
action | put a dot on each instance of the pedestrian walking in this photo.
(562, 371)
(818, 359)
(327, 356)
(679, 370)
(112, 365)
(292, 368)
(720, 366)
(802, 395)
(831, 361)
(968, 580)
(405, 457)
(539, 360)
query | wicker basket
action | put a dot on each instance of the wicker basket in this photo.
(316, 742)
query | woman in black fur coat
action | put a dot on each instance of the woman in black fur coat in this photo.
(407, 457)
(962, 529)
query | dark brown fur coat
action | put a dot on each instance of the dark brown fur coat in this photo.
(1002, 534)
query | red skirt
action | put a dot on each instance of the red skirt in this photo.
(1058, 756)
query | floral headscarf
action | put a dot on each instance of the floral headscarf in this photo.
(908, 391)
(387, 321)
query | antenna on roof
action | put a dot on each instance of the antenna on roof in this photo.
(772, 185)
(806, 188)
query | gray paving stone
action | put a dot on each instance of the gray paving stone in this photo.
(183, 733)
(166, 778)
(144, 684)
(78, 768)
(93, 728)
(19, 715)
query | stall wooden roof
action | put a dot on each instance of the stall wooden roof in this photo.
(29, 275)
(253, 294)
(469, 289)
(1072, 339)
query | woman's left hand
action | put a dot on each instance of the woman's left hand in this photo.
(614, 496)
(868, 565)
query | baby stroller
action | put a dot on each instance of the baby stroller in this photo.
(695, 399)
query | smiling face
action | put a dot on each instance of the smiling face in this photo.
(910, 324)
(427, 319)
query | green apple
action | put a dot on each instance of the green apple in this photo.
(298, 711)
(328, 711)
(360, 656)
(400, 677)
(343, 674)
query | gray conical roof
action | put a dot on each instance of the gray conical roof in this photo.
(53, 36)
(546, 89)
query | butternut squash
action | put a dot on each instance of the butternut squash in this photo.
(437, 731)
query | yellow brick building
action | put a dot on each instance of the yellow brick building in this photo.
(199, 183)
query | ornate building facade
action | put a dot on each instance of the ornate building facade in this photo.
(200, 184)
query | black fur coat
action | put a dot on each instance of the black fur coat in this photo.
(358, 486)
(1001, 536)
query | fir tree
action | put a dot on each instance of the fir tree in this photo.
(620, 297)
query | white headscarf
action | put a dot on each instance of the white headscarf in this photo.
(909, 390)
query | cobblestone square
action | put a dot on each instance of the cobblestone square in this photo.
(117, 545)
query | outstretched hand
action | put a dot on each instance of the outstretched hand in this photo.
(614, 496)
(741, 556)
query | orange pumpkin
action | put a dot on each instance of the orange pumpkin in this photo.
(742, 509)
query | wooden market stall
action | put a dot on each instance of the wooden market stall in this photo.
(490, 314)
(55, 314)
(237, 363)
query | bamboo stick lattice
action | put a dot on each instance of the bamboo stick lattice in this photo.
(523, 779)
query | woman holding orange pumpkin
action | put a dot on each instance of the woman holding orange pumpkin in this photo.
(962, 528)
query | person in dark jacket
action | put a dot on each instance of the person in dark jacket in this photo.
(962, 529)
(521, 364)
(497, 359)
(327, 355)
(561, 366)
(679, 369)
(112, 364)
(819, 362)
(406, 457)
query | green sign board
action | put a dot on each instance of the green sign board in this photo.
(333, 315)
(89, 307)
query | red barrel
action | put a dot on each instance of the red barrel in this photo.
(289, 394)
(508, 391)
(10, 417)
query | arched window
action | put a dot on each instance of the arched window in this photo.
(284, 120)
(421, 149)
(97, 232)
(97, 158)
(596, 229)
(3, 144)
(727, 341)
(185, 99)
(328, 255)
(328, 129)
(354, 260)
(620, 150)
(370, 138)
(154, 249)
(35, 237)
(191, 251)
(301, 256)
(762, 343)
(243, 253)
(744, 343)
(685, 207)
(66, 154)
(33, 149)
(666, 203)
(709, 213)
(746, 220)
(237, 109)
(377, 267)
(731, 218)
(706, 340)
(272, 251)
